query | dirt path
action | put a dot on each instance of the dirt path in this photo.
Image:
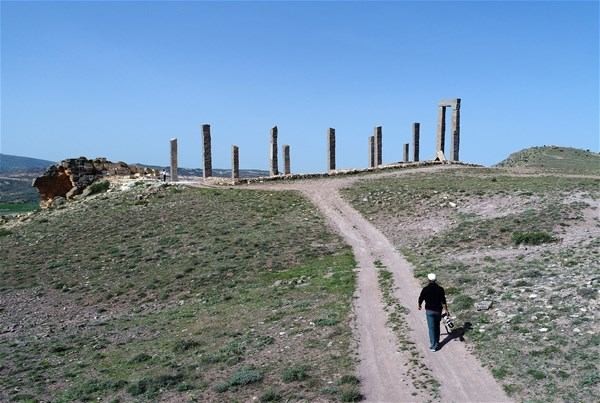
(383, 370)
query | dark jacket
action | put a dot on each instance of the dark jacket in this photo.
(434, 297)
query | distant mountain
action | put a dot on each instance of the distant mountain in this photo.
(14, 164)
(555, 159)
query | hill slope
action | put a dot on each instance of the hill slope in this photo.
(13, 163)
(554, 159)
(165, 293)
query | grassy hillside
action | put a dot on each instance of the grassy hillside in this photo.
(169, 293)
(530, 245)
(555, 159)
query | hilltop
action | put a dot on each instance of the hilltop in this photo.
(554, 159)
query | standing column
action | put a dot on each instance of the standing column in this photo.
(441, 129)
(405, 153)
(174, 160)
(207, 171)
(416, 134)
(378, 146)
(456, 130)
(274, 162)
(235, 163)
(331, 149)
(286, 160)
(371, 151)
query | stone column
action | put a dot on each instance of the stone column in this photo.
(274, 162)
(331, 149)
(286, 160)
(173, 160)
(416, 134)
(455, 130)
(405, 153)
(378, 146)
(235, 163)
(441, 129)
(207, 171)
(371, 151)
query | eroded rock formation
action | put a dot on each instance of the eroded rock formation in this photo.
(72, 176)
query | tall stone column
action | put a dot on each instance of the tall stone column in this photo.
(235, 163)
(416, 135)
(207, 171)
(371, 151)
(378, 146)
(274, 162)
(331, 149)
(174, 160)
(456, 130)
(286, 160)
(441, 129)
(405, 153)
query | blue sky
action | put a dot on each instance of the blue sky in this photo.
(119, 79)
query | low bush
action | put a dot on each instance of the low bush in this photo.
(98, 187)
(532, 238)
(295, 373)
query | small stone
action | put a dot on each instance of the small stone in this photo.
(483, 305)
(543, 330)
(576, 330)
(533, 296)
(452, 204)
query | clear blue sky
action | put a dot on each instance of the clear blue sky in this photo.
(119, 79)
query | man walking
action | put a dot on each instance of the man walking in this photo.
(435, 299)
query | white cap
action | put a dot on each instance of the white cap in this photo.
(431, 276)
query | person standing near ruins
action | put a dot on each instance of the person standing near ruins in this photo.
(163, 175)
(435, 302)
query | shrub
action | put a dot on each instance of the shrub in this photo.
(536, 374)
(295, 373)
(462, 302)
(245, 376)
(350, 394)
(185, 345)
(142, 357)
(348, 379)
(270, 396)
(4, 232)
(532, 238)
(98, 187)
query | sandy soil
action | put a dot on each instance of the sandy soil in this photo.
(383, 368)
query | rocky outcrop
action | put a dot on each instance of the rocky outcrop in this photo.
(71, 176)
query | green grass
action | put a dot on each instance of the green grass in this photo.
(186, 295)
(18, 208)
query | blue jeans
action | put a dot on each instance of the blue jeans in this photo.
(433, 323)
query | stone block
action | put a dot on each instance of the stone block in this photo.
(274, 164)
(331, 149)
(207, 152)
(286, 160)
(416, 140)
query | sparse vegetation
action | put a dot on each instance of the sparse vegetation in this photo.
(145, 301)
(532, 238)
(540, 326)
(98, 187)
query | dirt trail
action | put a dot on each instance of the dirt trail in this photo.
(382, 368)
